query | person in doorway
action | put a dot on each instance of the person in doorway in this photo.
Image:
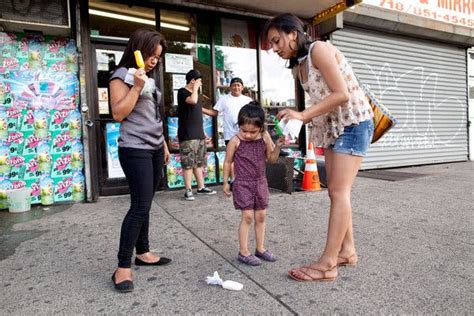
(249, 149)
(229, 106)
(192, 143)
(342, 124)
(143, 153)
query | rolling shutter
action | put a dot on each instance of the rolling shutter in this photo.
(424, 85)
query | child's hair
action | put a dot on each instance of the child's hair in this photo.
(252, 113)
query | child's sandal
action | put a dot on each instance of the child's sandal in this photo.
(250, 260)
(267, 255)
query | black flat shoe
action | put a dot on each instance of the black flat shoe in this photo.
(161, 262)
(124, 286)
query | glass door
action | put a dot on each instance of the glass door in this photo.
(111, 177)
(278, 90)
(188, 39)
(111, 26)
(236, 56)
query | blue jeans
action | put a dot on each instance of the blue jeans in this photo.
(144, 170)
(355, 140)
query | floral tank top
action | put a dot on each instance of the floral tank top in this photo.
(328, 127)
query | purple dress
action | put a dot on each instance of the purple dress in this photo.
(250, 187)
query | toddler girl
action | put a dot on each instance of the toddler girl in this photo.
(249, 150)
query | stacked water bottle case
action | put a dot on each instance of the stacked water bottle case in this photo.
(40, 125)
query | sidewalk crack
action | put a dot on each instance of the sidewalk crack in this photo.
(291, 310)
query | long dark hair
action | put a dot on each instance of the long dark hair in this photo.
(253, 114)
(288, 23)
(146, 41)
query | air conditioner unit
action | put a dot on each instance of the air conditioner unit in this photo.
(51, 17)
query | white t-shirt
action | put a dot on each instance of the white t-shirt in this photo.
(229, 106)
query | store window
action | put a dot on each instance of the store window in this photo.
(278, 87)
(278, 84)
(104, 17)
(236, 56)
(188, 48)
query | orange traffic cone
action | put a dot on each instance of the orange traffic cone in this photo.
(310, 177)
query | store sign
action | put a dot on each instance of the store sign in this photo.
(178, 63)
(107, 59)
(103, 96)
(333, 10)
(459, 12)
(179, 81)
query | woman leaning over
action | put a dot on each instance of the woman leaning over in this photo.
(342, 124)
(143, 152)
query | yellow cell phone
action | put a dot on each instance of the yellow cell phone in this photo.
(139, 59)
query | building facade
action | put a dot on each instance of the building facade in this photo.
(416, 65)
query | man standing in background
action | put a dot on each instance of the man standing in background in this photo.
(192, 143)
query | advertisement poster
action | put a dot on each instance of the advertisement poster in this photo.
(178, 63)
(173, 142)
(174, 171)
(220, 160)
(175, 97)
(112, 133)
(210, 170)
(179, 81)
(208, 129)
(103, 97)
(107, 59)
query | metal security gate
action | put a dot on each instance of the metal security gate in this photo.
(424, 84)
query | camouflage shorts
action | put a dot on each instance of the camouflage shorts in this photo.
(193, 153)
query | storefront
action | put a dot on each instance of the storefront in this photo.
(418, 69)
(63, 51)
(220, 46)
(58, 137)
(221, 42)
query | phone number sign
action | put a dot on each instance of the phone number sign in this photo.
(459, 12)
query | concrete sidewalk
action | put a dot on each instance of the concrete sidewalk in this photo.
(414, 239)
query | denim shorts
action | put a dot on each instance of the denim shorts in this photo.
(355, 140)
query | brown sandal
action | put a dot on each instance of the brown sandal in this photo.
(349, 261)
(299, 277)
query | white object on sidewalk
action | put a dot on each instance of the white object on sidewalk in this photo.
(228, 285)
(19, 200)
(291, 128)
